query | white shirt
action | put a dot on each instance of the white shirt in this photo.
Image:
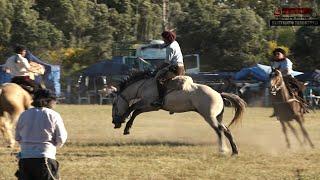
(174, 54)
(40, 131)
(17, 65)
(283, 65)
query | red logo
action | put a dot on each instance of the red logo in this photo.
(277, 12)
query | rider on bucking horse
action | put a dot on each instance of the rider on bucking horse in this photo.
(173, 63)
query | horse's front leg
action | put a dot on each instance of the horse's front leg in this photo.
(134, 115)
(130, 122)
(133, 107)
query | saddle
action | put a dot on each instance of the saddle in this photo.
(26, 83)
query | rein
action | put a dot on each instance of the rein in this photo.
(138, 89)
(288, 101)
(124, 98)
(128, 101)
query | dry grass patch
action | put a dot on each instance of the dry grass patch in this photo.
(181, 146)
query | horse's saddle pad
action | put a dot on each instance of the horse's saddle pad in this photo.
(180, 83)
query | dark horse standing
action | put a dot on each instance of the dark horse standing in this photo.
(287, 107)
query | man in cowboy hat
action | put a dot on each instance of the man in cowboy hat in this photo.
(40, 131)
(173, 63)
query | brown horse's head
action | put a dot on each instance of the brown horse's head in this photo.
(276, 81)
(119, 108)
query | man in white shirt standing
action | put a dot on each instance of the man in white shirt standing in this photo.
(19, 67)
(40, 131)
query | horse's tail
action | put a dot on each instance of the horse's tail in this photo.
(239, 106)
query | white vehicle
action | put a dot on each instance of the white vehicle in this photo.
(149, 58)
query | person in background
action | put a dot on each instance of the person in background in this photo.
(173, 63)
(283, 64)
(19, 67)
(40, 131)
(110, 89)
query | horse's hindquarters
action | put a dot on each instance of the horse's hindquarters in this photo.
(178, 101)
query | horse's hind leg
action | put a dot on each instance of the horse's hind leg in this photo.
(304, 131)
(284, 130)
(228, 134)
(294, 132)
(233, 144)
(6, 130)
(213, 122)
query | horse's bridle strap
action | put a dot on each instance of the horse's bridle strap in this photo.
(124, 98)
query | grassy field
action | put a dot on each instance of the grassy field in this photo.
(179, 146)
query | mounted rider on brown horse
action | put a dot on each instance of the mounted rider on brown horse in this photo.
(16, 97)
(22, 70)
(284, 65)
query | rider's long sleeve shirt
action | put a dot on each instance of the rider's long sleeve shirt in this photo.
(174, 54)
(284, 66)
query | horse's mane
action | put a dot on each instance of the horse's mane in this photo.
(135, 77)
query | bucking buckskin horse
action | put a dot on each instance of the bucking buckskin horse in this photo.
(136, 94)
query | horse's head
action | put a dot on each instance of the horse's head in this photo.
(119, 108)
(276, 81)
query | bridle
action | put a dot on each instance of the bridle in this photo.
(127, 101)
(276, 88)
(124, 98)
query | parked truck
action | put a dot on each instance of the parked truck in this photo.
(149, 58)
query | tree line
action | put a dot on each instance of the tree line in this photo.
(228, 35)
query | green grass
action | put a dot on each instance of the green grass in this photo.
(179, 146)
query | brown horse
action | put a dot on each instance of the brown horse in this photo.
(142, 90)
(287, 107)
(13, 101)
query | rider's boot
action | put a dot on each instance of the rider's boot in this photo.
(159, 102)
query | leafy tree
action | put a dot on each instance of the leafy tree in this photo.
(306, 48)
(20, 25)
(6, 13)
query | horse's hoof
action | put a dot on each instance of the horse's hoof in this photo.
(117, 126)
(126, 132)
(235, 153)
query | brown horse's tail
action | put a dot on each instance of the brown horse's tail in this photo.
(239, 106)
